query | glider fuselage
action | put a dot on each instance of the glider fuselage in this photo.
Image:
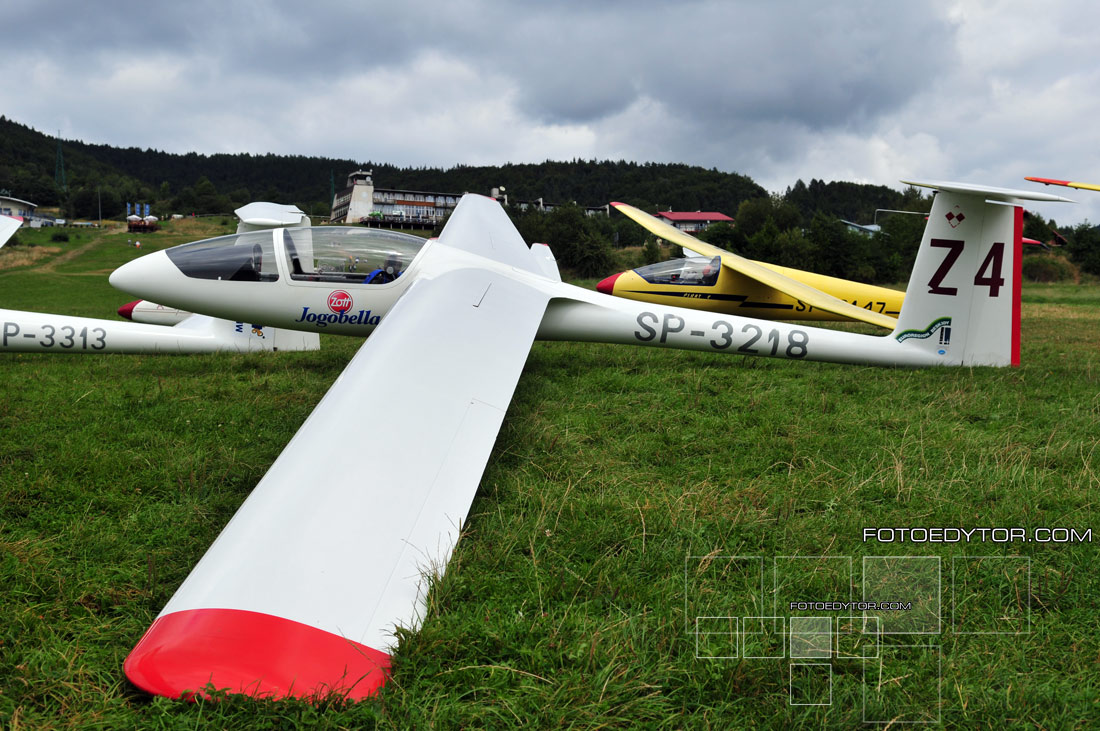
(307, 279)
(324, 280)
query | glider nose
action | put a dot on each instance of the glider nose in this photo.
(127, 310)
(607, 286)
(142, 275)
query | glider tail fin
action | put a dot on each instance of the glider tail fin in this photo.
(963, 299)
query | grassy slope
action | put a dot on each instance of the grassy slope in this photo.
(569, 600)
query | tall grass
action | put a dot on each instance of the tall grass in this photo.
(621, 483)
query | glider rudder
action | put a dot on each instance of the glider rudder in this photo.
(963, 298)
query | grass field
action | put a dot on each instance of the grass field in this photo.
(635, 498)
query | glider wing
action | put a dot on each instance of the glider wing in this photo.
(759, 272)
(1065, 183)
(8, 226)
(336, 547)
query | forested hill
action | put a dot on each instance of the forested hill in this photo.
(28, 167)
(798, 228)
(217, 183)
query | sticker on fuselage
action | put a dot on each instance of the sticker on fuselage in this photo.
(340, 304)
(941, 325)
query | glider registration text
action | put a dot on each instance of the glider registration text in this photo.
(64, 337)
(721, 335)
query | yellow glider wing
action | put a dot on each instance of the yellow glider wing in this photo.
(1067, 183)
(759, 272)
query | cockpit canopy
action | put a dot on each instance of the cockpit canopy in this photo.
(247, 257)
(312, 254)
(348, 255)
(697, 270)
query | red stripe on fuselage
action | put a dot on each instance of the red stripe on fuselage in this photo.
(186, 653)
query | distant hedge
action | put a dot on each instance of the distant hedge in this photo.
(1049, 268)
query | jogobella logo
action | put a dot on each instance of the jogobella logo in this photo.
(345, 317)
(339, 301)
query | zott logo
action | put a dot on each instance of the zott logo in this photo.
(339, 301)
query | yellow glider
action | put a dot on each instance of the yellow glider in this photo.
(1066, 183)
(732, 284)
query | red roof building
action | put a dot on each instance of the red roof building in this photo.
(693, 222)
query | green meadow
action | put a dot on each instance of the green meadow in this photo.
(642, 529)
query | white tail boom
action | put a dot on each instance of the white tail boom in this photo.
(39, 332)
(962, 305)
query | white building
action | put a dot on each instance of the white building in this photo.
(361, 202)
(15, 207)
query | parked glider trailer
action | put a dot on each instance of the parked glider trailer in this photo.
(282, 604)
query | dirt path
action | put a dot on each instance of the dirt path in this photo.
(51, 266)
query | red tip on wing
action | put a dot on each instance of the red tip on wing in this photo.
(1049, 181)
(185, 653)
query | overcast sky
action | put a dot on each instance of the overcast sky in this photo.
(977, 91)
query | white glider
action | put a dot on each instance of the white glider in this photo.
(155, 328)
(38, 332)
(301, 593)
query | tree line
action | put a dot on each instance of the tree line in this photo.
(800, 228)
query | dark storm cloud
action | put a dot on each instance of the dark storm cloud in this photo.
(981, 90)
(810, 62)
(719, 62)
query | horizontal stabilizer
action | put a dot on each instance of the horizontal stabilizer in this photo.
(261, 215)
(989, 192)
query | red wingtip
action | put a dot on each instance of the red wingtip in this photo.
(185, 653)
(1048, 181)
(616, 203)
(127, 310)
(607, 286)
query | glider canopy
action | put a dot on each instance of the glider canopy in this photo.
(325, 254)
